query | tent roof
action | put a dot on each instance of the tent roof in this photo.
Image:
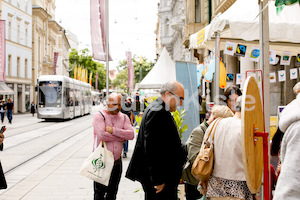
(162, 72)
(240, 23)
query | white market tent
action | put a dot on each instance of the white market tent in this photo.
(162, 72)
(240, 24)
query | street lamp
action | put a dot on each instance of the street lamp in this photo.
(141, 61)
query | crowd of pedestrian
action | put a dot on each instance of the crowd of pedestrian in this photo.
(8, 108)
(160, 161)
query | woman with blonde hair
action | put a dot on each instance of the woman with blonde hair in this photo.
(193, 145)
(228, 181)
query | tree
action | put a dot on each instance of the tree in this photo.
(121, 79)
(85, 60)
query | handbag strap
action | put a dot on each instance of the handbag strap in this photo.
(213, 129)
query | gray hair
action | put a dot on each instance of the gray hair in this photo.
(238, 104)
(296, 88)
(170, 86)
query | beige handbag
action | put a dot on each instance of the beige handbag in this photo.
(204, 163)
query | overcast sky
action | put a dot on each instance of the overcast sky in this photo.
(132, 25)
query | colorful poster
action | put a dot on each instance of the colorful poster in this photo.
(281, 75)
(297, 63)
(254, 55)
(130, 71)
(240, 78)
(241, 50)
(2, 50)
(229, 77)
(293, 73)
(272, 55)
(230, 48)
(285, 58)
(272, 77)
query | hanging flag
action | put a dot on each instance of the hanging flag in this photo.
(130, 68)
(281, 75)
(200, 69)
(240, 78)
(91, 76)
(241, 50)
(254, 55)
(297, 63)
(229, 77)
(82, 75)
(272, 56)
(2, 50)
(230, 48)
(54, 62)
(79, 74)
(293, 73)
(272, 77)
(96, 81)
(286, 58)
(86, 76)
(98, 29)
(222, 76)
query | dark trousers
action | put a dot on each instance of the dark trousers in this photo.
(191, 192)
(125, 146)
(102, 192)
(168, 193)
(2, 116)
(9, 115)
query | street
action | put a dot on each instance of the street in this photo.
(41, 160)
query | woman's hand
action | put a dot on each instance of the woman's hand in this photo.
(159, 188)
(202, 187)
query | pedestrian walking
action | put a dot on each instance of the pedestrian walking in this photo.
(2, 110)
(9, 110)
(193, 146)
(126, 109)
(32, 109)
(113, 127)
(159, 156)
(288, 183)
(228, 180)
(3, 184)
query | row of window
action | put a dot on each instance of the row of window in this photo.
(18, 3)
(20, 34)
(9, 65)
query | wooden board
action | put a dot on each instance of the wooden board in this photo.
(252, 115)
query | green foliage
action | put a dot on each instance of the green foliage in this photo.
(178, 117)
(121, 79)
(85, 60)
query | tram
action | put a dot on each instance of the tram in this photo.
(61, 97)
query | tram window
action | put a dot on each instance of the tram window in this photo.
(50, 94)
(69, 97)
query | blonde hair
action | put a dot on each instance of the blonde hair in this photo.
(296, 88)
(221, 111)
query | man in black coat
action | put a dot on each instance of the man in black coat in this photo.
(159, 155)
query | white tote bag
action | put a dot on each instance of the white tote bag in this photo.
(98, 165)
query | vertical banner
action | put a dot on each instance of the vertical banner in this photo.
(75, 72)
(130, 80)
(96, 81)
(79, 73)
(54, 62)
(91, 76)
(2, 50)
(98, 29)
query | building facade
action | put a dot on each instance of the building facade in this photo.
(50, 46)
(18, 18)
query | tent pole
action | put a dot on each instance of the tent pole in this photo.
(217, 66)
(264, 66)
(107, 48)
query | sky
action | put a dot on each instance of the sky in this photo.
(131, 26)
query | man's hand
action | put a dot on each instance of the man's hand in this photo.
(109, 129)
(159, 188)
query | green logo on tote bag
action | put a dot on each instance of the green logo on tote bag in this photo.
(98, 163)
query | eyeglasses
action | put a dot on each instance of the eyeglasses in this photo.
(180, 98)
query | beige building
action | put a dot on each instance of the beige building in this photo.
(50, 46)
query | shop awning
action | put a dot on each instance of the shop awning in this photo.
(5, 90)
(240, 24)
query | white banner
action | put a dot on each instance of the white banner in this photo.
(293, 73)
(254, 56)
(281, 75)
(285, 58)
(230, 48)
(272, 77)
(272, 56)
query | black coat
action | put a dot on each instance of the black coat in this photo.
(159, 155)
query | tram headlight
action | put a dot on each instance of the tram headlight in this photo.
(58, 106)
(41, 106)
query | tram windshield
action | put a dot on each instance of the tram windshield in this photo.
(50, 94)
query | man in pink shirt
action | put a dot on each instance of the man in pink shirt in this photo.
(113, 127)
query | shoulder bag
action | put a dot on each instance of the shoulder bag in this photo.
(203, 165)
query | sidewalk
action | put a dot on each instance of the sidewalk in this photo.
(59, 179)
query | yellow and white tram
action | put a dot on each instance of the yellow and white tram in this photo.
(61, 97)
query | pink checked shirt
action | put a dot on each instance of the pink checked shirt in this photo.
(122, 130)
